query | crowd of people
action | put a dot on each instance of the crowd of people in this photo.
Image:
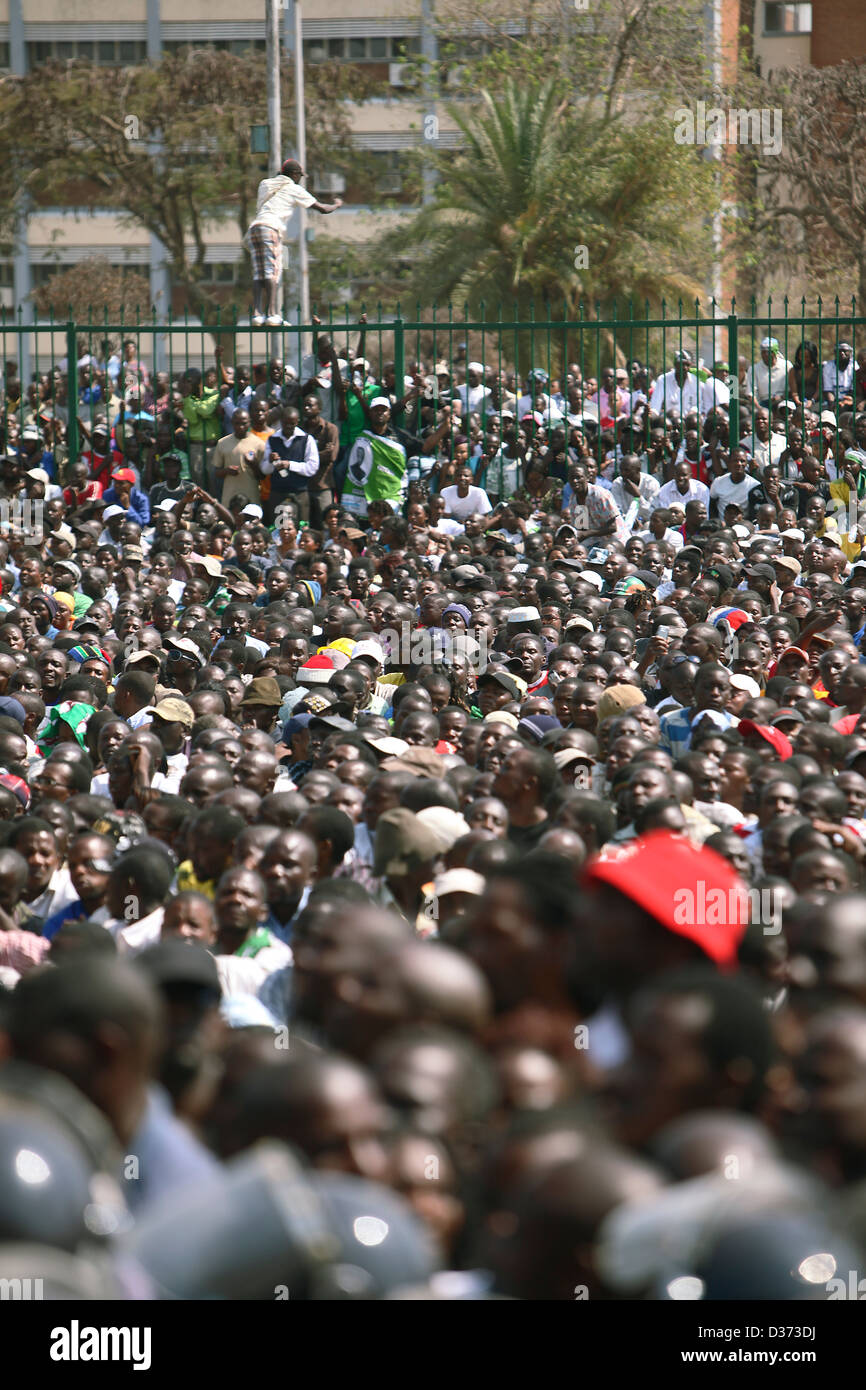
(445, 798)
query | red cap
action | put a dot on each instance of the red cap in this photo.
(124, 475)
(776, 739)
(692, 892)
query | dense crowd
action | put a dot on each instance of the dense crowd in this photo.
(444, 798)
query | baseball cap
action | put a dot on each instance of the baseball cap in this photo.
(769, 343)
(722, 573)
(741, 682)
(789, 563)
(251, 509)
(123, 475)
(524, 615)
(774, 737)
(208, 562)
(385, 743)
(380, 400)
(37, 474)
(185, 645)
(132, 552)
(592, 578)
(658, 869)
(827, 417)
(174, 711)
(113, 510)
(369, 649)
(12, 708)
(787, 716)
(459, 881)
(513, 684)
(761, 571)
(30, 432)
(331, 721)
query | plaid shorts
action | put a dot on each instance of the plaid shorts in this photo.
(266, 251)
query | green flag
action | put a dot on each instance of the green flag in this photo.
(376, 472)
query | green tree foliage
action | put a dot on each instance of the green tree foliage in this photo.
(164, 145)
(552, 202)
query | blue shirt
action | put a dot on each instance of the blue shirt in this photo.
(139, 504)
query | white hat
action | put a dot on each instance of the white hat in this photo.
(592, 578)
(30, 432)
(742, 533)
(251, 509)
(752, 689)
(380, 400)
(475, 366)
(524, 615)
(386, 743)
(113, 510)
(827, 417)
(794, 534)
(38, 475)
(458, 881)
(369, 648)
(445, 827)
(166, 505)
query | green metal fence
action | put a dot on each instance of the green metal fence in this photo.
(507, 343)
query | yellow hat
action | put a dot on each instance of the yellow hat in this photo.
(66, 599)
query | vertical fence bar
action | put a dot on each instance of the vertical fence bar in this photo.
(734, 365)
(72, 395)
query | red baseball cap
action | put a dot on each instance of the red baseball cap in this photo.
(692, 892)
(777, 740)
(124, 475)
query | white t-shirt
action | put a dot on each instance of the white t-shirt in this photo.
(476, 500)
(276, 201)
(724, 491)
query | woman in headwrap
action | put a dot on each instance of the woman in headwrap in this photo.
(45, 611)
(67, 723)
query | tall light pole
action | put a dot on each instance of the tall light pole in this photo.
(272, 50)
(301, 127)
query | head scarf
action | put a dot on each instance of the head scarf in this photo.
(88, 651)
(75, 715)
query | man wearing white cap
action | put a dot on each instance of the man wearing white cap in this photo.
(474, 395)
(769, 377)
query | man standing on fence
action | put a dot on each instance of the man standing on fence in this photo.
(277, 199)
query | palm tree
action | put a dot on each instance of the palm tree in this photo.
(535, 181)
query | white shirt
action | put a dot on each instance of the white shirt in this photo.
(836, 379)
(306, 466)
(669, 493)
(476, 500)
(724, 491)
(694, 394)
(276, 201)
(767, 451)
(58, 895)
(648, 487)
(475, 398)
(134, 937)
(762, 385)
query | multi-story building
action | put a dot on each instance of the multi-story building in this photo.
(378, 34)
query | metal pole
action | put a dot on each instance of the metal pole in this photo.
(275, 134)
(430, 54)
(300, 124)
(713, 17)
(160, 280)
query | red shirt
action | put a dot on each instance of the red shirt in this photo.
(102, 466)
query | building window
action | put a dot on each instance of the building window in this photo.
(359, 50)
(787, 19)
(123, 52)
